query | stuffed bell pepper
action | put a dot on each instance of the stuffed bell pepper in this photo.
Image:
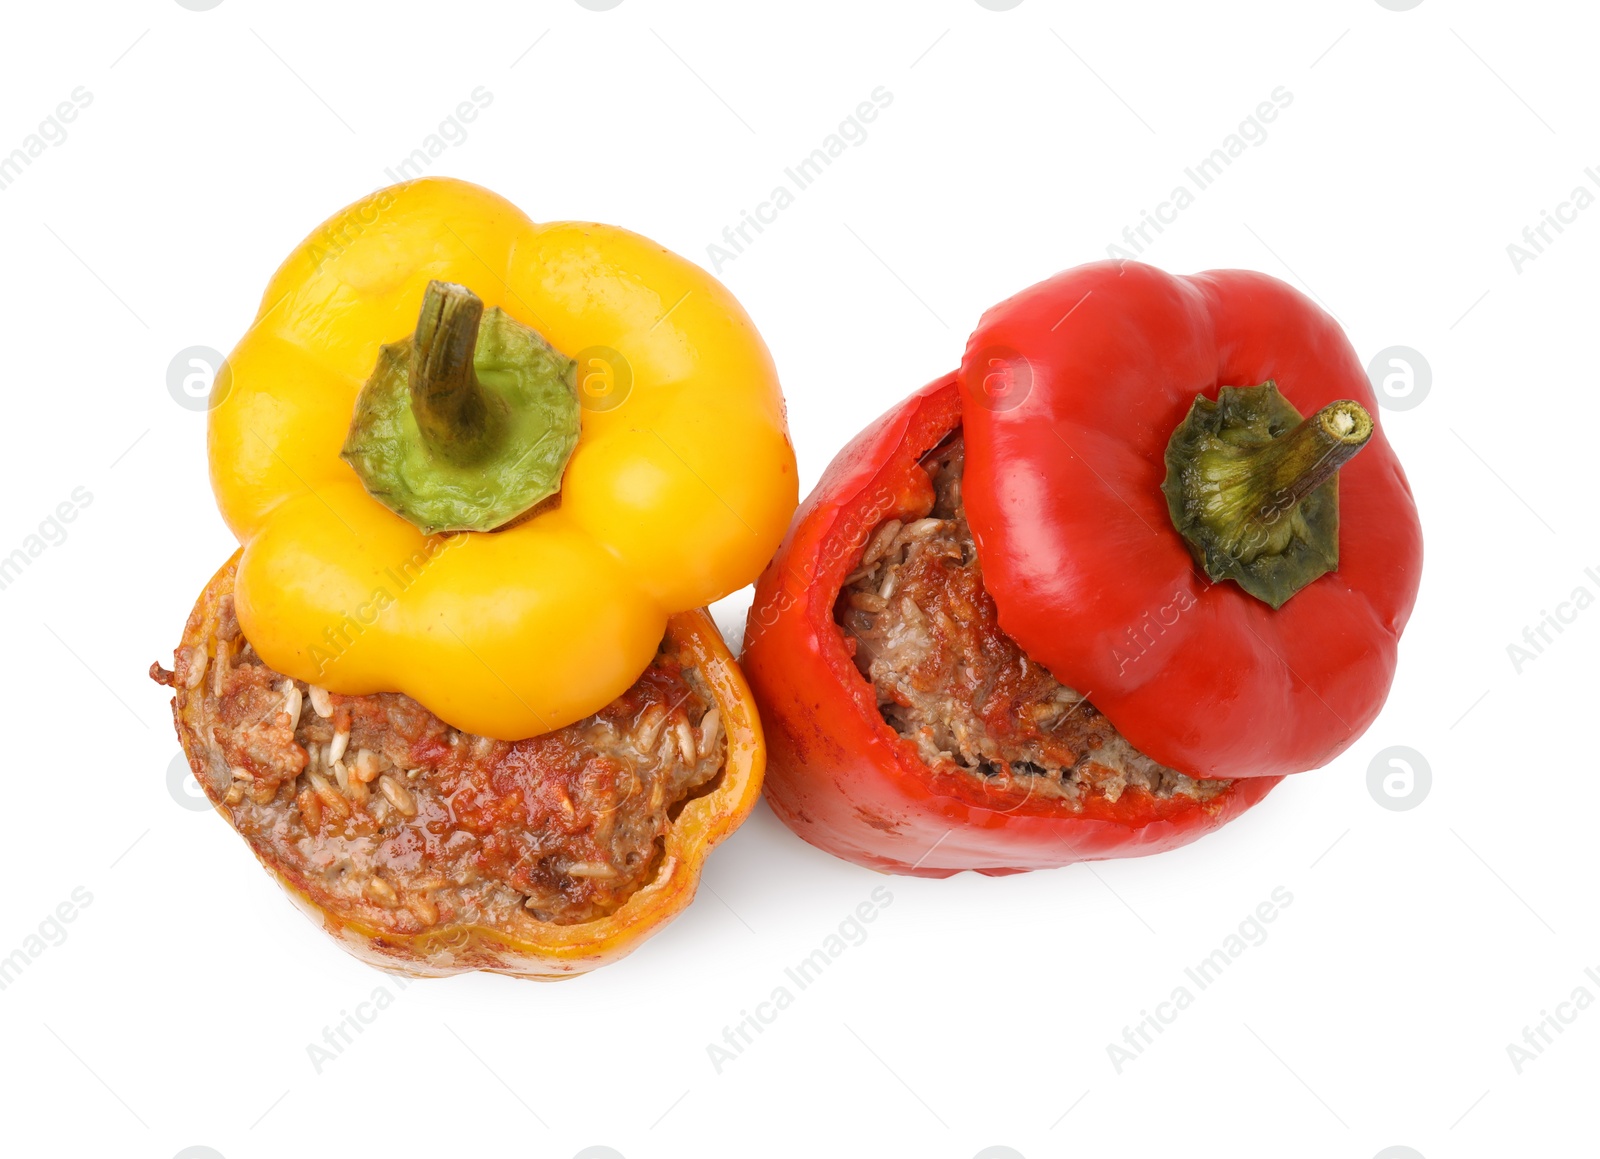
(1094, 594)
(458, 690)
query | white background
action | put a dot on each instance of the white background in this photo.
(977, 1013)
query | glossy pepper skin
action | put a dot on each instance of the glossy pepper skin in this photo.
(675, 495)
(838, 775)
(1064, 494)
(549, 951)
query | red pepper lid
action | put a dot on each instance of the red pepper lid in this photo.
(1072, 392)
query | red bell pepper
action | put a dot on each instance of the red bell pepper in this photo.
(839, 776)
(1092, 499)
(1080, 550)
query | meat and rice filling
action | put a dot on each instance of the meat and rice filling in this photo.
(925, 633)
(387, 815)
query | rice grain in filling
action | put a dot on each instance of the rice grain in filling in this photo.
(925, 633)
(384, 814)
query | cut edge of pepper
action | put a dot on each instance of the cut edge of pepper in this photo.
(558, 951)
(958, 784)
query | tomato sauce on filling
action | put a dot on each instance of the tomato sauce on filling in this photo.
(925, 633)
(383, 813)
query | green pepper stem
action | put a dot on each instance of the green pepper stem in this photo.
(452, 411)
(467, 423)
(1257, 507)
(1295, 464)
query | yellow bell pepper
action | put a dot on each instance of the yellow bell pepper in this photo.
(543, 950)
(679, 489)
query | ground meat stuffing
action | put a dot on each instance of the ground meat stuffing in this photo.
(386, 814)
(925, 633)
